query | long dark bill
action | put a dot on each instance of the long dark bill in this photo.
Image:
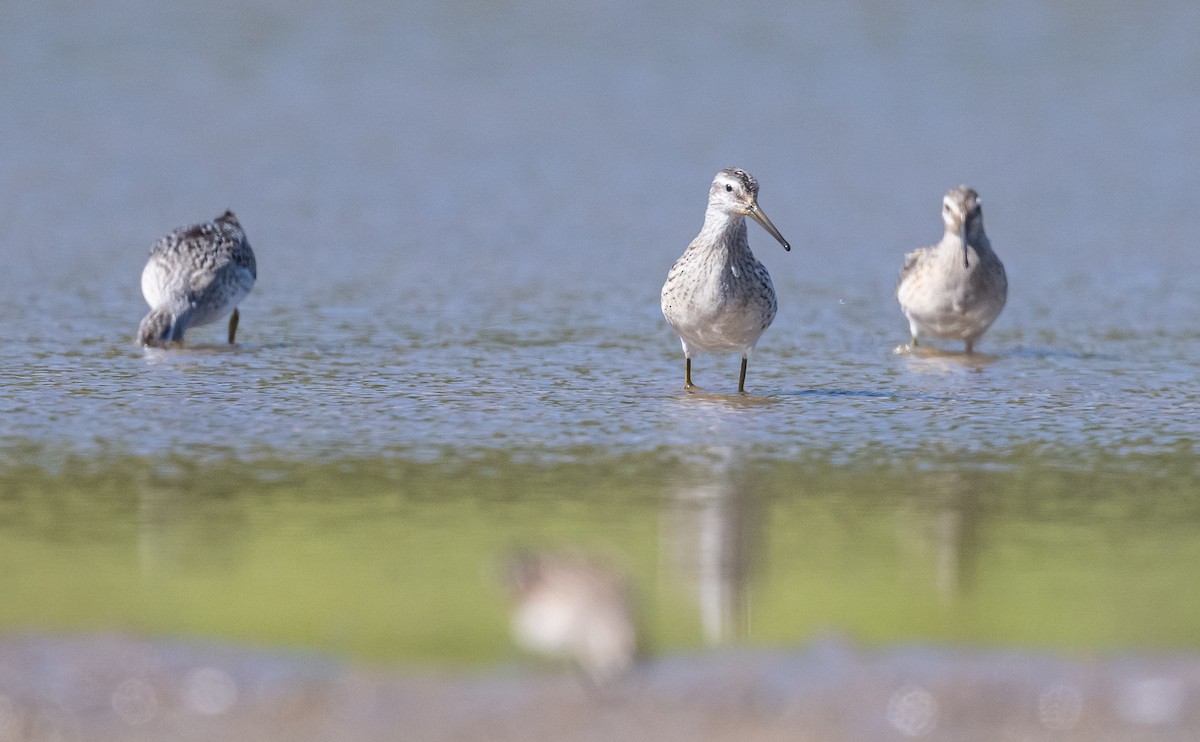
(755, 213)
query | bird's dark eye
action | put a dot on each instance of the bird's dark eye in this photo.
(729, 188)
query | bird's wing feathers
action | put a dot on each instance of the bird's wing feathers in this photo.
(910, 261)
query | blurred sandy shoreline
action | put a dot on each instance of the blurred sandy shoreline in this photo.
(105, 687)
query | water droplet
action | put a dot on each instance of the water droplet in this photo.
(210, 691)
(1150, 701)
(913, 711)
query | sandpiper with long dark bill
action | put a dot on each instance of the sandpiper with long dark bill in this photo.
(718, 298)
(956, 288)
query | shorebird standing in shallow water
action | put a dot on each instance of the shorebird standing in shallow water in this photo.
(718, 298)
(956, 288)
(195, 276)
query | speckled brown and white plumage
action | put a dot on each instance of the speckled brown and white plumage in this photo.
(196, 275)
(718, 298)
(956, 288)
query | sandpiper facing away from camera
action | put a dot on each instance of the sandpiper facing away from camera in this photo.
(718, 298)
(196, 275)
(956, 288)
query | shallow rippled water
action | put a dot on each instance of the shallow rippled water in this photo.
(462, 232)
(463, 215)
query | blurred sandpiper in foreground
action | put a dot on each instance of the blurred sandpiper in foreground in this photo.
(956, 288)
(195, 276)
(718, 298)
(576, 607)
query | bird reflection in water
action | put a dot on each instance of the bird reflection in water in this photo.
(713, 531)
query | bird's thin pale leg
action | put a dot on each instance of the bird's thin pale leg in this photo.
(233, 323)
(742, 377)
